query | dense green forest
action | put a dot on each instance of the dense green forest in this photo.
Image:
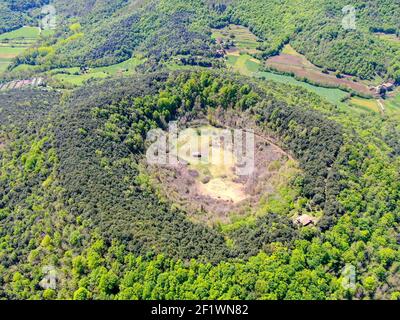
(78, 201)
(74, 197)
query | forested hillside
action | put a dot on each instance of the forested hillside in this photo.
(111, 32)
(315, 29)
(85, 206)
(80, 203)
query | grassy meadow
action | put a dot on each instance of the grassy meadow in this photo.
(14, 43)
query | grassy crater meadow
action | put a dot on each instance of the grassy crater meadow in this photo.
(78, 197)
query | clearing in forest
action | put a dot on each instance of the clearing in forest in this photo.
(244, 64)
(212, 162)
(74, 76)
(237, 40)
(239, 44)
(392, 38)
(392, 103)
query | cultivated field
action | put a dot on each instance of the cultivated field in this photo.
(332, 95)
(74, 76)
(239, 59)
(366, 104)
(15, 42)
(244, 64)
(392, 38)
(240, 44)
(292, 62)
(393, 103)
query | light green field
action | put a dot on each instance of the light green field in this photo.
(127, 66)
(3, 66)
(242, 37)
(393, 104)
(14, 43)
(392, 38)
(247, 65)
(74, 77)
(244, 64)
(332, 95)
(366, 104)
(22, 33)
(79, 80)
(288, 49)
(24, 67)
(7, 52)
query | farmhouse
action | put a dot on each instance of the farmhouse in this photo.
(383, 88)
(305, 220)
(84, 69)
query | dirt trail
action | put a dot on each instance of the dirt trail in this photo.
(381, 105)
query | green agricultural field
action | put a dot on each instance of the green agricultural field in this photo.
(126, 67)
(79, 79)
(392, 38)
(247, 65)
(22, 33)
(244, 64)
(365, 104)
(332, 95)
(6, 51)
(393, 104)
(14, 43)
(23, 67)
